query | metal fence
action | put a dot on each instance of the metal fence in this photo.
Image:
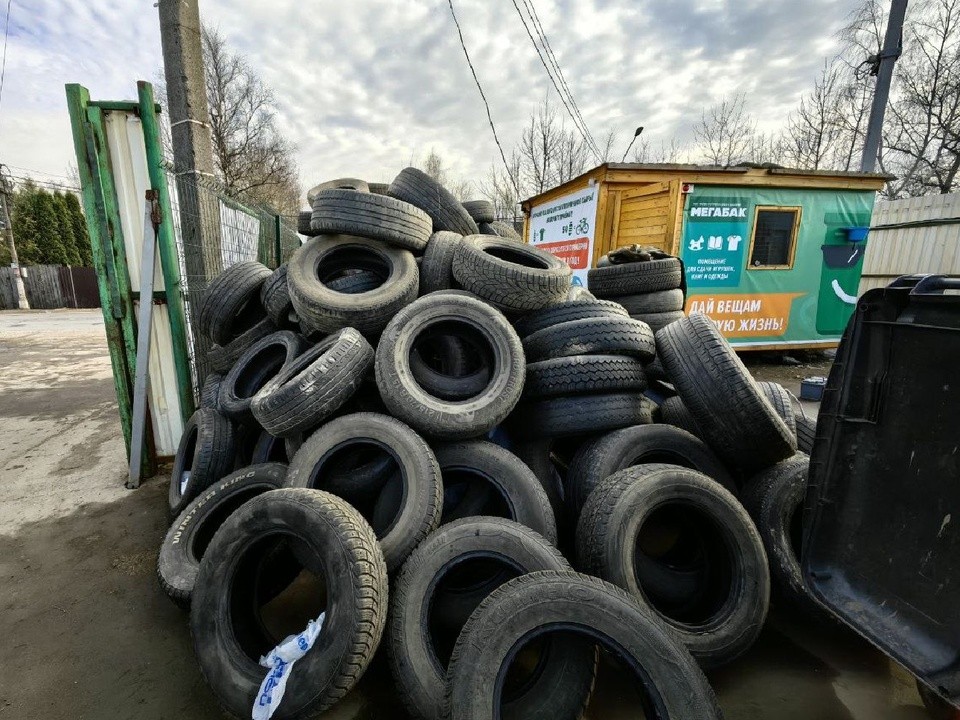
(215, 230)
(49, 287)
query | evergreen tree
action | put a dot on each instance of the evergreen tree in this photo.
(80, 235)
(25, 225)
(65, 229)
(52, 250)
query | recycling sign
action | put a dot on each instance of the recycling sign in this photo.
(565, 227)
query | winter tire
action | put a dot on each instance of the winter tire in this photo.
(230, 305)
(419, 189)
(204, 455)
(635, 278)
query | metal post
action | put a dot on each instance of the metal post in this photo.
(151, 220)
(892, 45)
(22, 303)
(278, 244)
(169, 262)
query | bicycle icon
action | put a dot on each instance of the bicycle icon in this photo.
(583, 226)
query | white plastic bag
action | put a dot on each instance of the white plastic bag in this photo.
(279, 662)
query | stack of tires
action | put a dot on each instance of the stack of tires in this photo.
(371, 457)
(648, 290)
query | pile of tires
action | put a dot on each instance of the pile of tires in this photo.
(418, 433)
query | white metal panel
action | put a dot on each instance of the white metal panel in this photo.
(128, 161)
(892, 252)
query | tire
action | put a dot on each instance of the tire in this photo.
(478, 325)
(379, 188)
(303, 224)
(275, 298)
(269, 449)
(378, 217)
(314, 385)
(601, 457)
(734, 417)
(579, 292)
(419, 644)
(505, 230)
(261, 362)
(535, 454)
(338, 184)
(436, 272)
(566, 311)
(222, 358)
(480, 478)
(660, 301)
(635, 278)
(355, 283)
(452, 375)
(774, 498)
(210, 390)
(806, 433)
(419, 472)
(187, 539)
(937, 708)
(228, 635)
(712, 533)
(611, 335)
(674, 412)
(324, 258)
(779, 398)
(512, 276)
(230, 305)
(584, 374)
(482, 211)
(658, 321)
(581, 414)
(204, 455)
(517, 610)
(419, 189)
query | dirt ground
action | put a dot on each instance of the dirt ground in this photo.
(87, 633)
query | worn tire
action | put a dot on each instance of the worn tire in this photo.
(806, 432)
(230, 305)
(659, 301)
(603, 456)
(261, 362)
(455, 378)
(378, 217)
(275, 298)
(436, 271)
(512, 276)
(303, 224)
(355, 283)
(779, 397)
(584, 374)
(674, 412)
(269, 449)
(482, 211)
(419, 189)
(504, 229)
(210, 391)
(222, 358)
(581, 414)
(187, 539)
(419, 472)
(339, 184)
(723, 621)
(325, 258)
(599, 610)
(635, 278)
(480, 478)
(314, 385)
(658, 321)
(485, 328)
(566, 311)
(731, 411)
(428, 578)
(331, 538)
(205, 451)
(608, 335)
(774, 497)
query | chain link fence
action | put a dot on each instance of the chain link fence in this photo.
(215, 230)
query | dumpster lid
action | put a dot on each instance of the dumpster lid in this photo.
(881, 546)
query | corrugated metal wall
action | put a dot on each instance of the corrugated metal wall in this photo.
(914, 235)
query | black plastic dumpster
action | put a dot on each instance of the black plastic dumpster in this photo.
(881, 543)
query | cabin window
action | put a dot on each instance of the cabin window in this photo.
(774, 240)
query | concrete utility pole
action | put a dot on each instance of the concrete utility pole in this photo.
(883, 69)
(180, 39)
(22, 303)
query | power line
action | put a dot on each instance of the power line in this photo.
(556, 87)
(49, 184)
(38, 172)
(493, 128)
(538, 26)
(6, 34)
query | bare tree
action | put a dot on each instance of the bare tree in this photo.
(435, 166)
(724, 131)
(502, 187)
(644, 151)
(252, 157)
(814, 132)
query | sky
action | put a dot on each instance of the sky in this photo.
(364, 86)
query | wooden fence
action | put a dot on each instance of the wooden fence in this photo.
(51, 286)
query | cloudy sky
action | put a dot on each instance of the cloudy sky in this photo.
(364, 85)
